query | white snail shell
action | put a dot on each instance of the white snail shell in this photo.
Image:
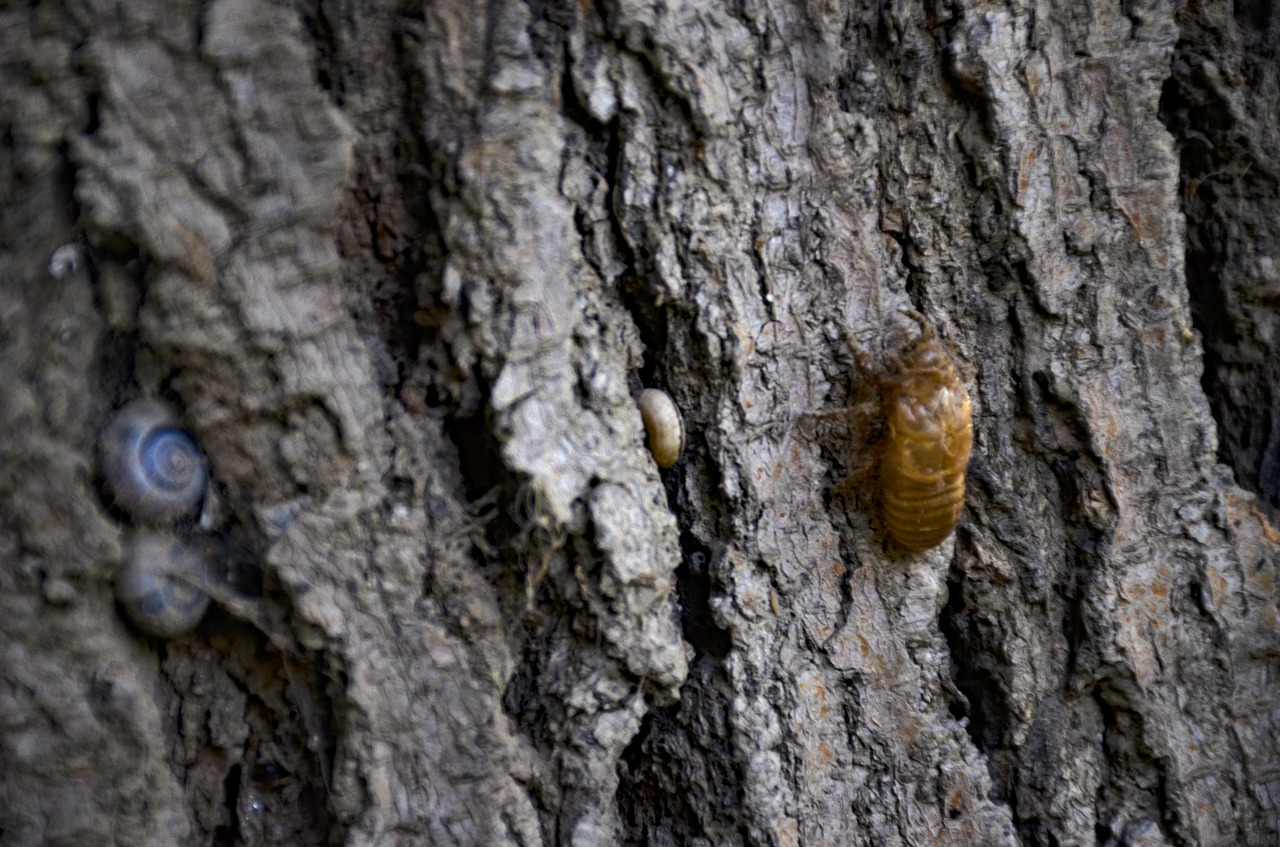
(663, 424)
(160, 583)
(66, 261)
(151, 466)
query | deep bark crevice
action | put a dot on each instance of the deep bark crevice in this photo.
(1216, 110)
(972, 672)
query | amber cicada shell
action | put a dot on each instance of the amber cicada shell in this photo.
(927, 446)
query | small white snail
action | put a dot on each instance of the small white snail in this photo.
(66, 261)
(161, 583)
(663, 424)
(151, 466)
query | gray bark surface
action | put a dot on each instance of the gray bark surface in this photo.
(402, 269)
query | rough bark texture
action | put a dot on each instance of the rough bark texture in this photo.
(402, 267)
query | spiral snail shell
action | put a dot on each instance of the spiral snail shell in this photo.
(151, 466)
(160, 583)
(663, 424)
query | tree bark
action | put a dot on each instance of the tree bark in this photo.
(402, 268)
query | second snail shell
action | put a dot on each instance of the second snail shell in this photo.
(161, 583)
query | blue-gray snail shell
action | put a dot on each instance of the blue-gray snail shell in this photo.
(161, 583)
(151, 466)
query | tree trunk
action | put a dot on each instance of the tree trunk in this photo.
(402, 268)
